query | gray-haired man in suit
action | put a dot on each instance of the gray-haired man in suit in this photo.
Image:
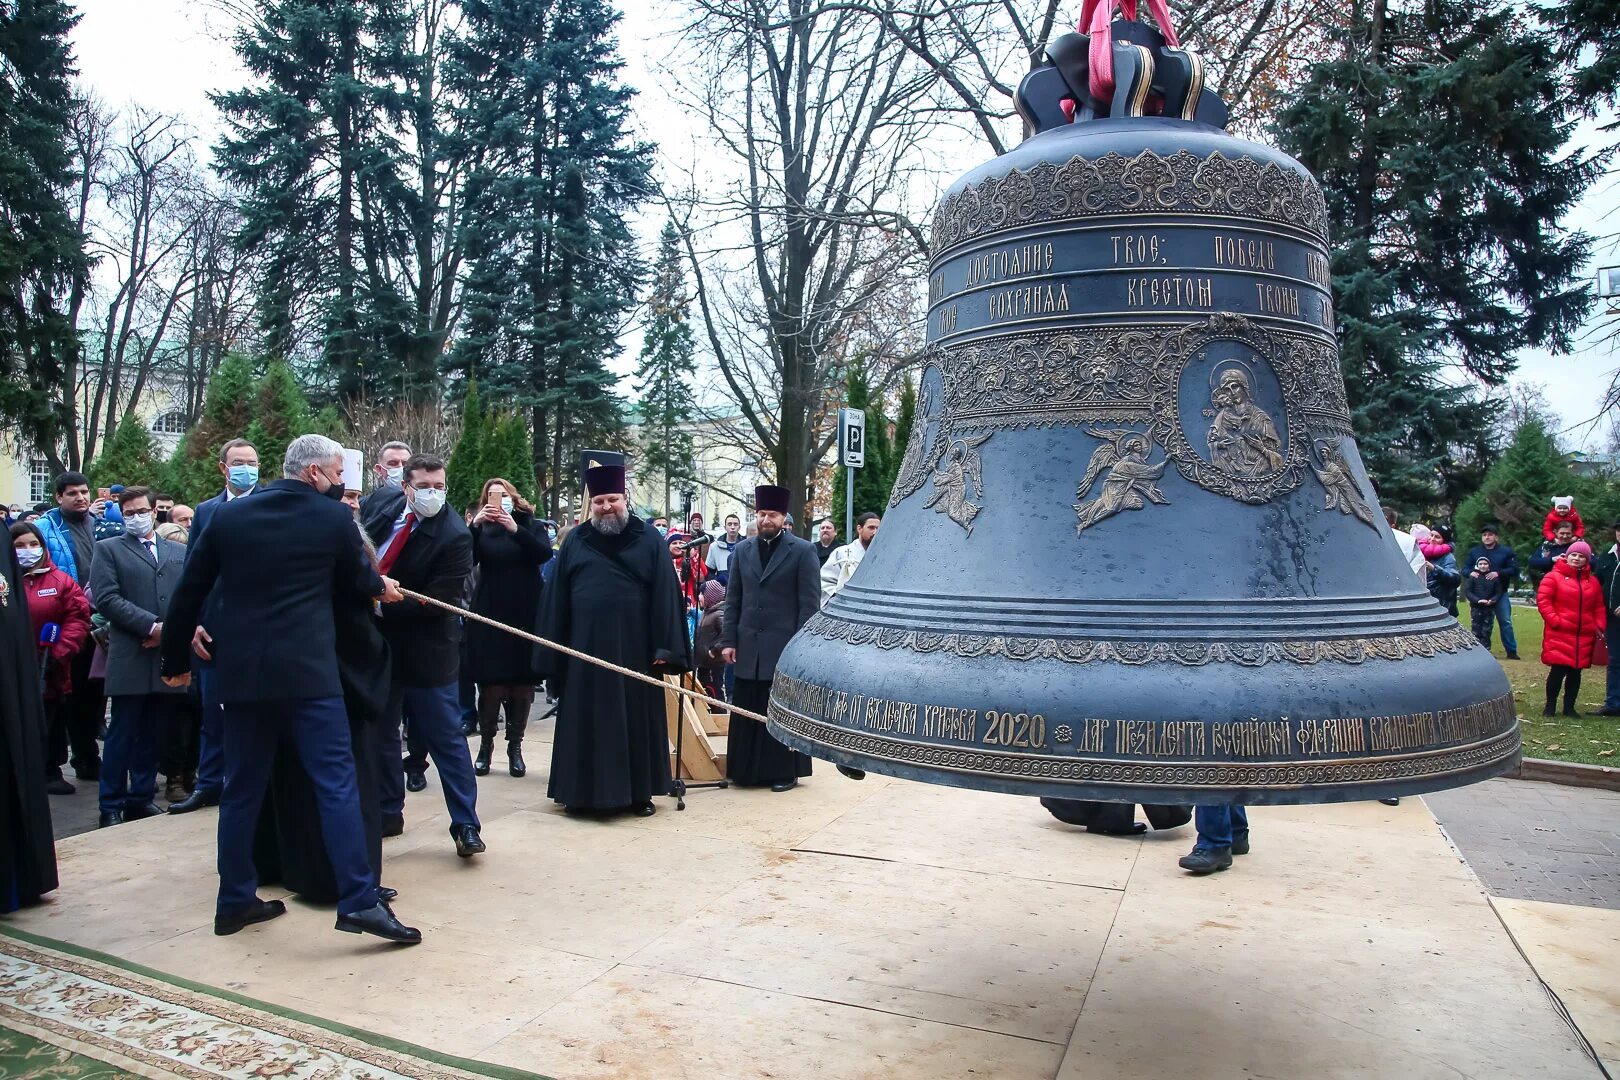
(132, 579)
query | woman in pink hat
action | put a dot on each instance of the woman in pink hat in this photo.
(1571, 603)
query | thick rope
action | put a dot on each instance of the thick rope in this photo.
(650, 680)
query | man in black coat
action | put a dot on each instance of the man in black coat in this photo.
(613, 596)
(1606, 567)
(239, 466)
(277, 559)
(773, 588)
(429, 551)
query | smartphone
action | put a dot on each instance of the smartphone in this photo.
(104, 494)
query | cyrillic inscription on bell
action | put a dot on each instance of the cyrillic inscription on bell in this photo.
(1132, 553)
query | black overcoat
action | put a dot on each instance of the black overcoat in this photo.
(616, 598)
(27, 852)
(508, 592)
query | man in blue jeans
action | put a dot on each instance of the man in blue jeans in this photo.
(1223, 831)
(1504, 566)
(429, 551)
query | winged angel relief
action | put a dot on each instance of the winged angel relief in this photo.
(1127, 478)
(958, 480)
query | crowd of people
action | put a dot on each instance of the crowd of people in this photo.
(300, 656)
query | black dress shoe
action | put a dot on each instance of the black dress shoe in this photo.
(1601, 712)
(109, 818)
(786, 785)
(57, 785)
(138, 813)
(1136, 828)
(393, 824)
(852, 773)
(197, 801)
(90, 770)
(379, 920)
(1206, 860)
(514, 760)
(261, 911)
(387, 895)
(469, 727)
(468, 842)
(415, 781)
(644, 809)
(1512, 656)
(1390, 802)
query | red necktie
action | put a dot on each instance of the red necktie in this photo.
(392, 555)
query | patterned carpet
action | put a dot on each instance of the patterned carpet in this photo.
(72, 1013)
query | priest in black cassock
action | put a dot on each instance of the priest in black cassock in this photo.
(27, 853)
(773, 586)
(614, 596)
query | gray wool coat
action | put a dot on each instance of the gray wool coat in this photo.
(133, 593)
(766, 605)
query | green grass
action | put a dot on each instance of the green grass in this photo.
(1593, 739)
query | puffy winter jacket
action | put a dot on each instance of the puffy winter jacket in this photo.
(1571, 604)
(53, 597)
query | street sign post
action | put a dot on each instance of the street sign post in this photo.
(852, 456)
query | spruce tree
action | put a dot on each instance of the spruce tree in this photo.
(311, 152)
(873, 480)
(666, 369)
(554, 267)
(227, 411)
(41, 249)
(280, 414)
(1519, 489)
(1440, 136)
(130, 458)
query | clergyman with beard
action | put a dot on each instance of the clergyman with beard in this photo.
(613, 596)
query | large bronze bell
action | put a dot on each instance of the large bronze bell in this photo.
(1132, 553)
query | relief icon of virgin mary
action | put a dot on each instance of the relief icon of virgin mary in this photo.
(1242, 439)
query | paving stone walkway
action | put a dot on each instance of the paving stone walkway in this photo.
(1533, 841)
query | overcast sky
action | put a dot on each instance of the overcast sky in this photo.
(167, 55)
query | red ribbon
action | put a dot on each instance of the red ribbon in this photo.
(1096, 19)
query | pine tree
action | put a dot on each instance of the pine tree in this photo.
(1519, 489)
(666, 369)
(311, 153)
(554, 268)
(280, 414)
(41, 249)
(227, 411)
(1440, 137)
(873, 480)
(130, 458)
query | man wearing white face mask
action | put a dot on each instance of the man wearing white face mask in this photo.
(387, 498)
(133, 577)
(429, 551)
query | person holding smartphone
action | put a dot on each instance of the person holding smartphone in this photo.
(509, 548)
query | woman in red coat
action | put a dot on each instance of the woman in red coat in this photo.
(53, 597)
(1571, 603)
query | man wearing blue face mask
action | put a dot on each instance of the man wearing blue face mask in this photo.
(239, 466)
(428, 551)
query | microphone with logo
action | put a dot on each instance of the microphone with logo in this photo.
(48, 633)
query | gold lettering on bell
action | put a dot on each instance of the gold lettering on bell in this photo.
(1029, 300)
(1245, 253)
(1005, 263)
(1169, 291)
